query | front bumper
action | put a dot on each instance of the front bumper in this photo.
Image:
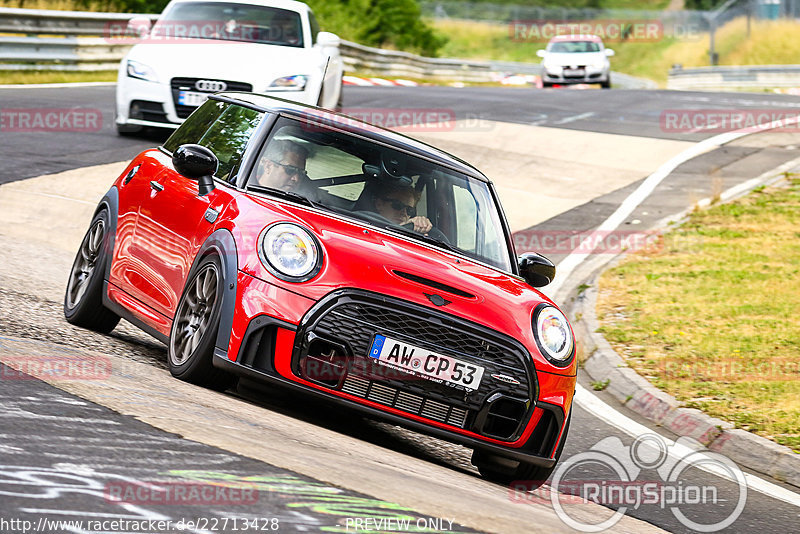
(323, 353)
(157, 104)
(589, 75)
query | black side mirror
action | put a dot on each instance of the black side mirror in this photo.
(196, 163)
(537, 270)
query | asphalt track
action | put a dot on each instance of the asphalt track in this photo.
(38, 443)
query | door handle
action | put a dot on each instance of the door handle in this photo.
(156, 186)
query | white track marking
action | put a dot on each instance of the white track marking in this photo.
(571, 262)
(590, 402)
(609, 415)
(574, 118)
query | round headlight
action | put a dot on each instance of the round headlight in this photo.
(290, 252)
(553, 335)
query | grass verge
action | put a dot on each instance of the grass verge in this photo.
(28, 77)
(711, 317)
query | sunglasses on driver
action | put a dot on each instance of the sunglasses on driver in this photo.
(397, 205)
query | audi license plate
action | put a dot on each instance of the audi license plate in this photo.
(425, 364)
(191, 98)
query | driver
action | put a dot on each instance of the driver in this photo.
(399, 204)
(283, 166)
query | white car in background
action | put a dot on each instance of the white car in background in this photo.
(200, 47)
(573, 59)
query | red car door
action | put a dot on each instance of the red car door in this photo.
(171, 227)
(174, 220)
(134, 188)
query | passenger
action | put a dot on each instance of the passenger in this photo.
(283, 166)
(399, 204)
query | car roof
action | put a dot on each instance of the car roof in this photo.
(291, 5)
(351, 125)
(583, 37)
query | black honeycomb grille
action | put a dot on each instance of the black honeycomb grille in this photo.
(353, 318)
(188, 84)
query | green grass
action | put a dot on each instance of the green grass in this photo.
(712, 318)
(15, 77)
(770, 42)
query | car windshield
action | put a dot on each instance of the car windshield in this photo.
(383, 187)
(574, 47)
(230, 22)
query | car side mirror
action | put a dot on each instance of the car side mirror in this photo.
(196, 162)
(609, 52)
(540, 53)
(139, 27)
(537, 270)
(328, 39)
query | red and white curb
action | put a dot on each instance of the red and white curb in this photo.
(355, 80)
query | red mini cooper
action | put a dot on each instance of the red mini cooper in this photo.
(298, 247)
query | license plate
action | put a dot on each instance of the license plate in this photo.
(191, 98)
(574, 72)
(425, 364)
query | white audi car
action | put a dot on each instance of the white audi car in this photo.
(200, 47)
(573, 59)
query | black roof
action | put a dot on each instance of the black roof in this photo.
(352, 125)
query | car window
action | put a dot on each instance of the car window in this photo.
(228, 136)
(314, 27)
(575, 47)
(224, 21)
(196, 125)
(221, 127)
(383, 187)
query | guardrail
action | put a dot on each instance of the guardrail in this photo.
(87, 44)
(731, 78)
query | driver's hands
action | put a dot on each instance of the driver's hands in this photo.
(421, 224)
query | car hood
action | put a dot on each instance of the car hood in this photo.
(257, 64)
(587, 58)
(359, 256)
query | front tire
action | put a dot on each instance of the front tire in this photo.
(194, 329)
(534, 475)
(83, 299)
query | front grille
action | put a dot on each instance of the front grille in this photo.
(351, 319)
(405, 401)
(188, 84)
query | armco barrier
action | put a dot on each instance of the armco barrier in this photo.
(33, 45)
(730, 78)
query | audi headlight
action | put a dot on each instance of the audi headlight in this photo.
(553, 335)
(141, 71)
(289, 83)
(290, 252)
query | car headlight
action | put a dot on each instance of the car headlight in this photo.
(141, 71)
(553, 335)
(290, 252)
(290, 83)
